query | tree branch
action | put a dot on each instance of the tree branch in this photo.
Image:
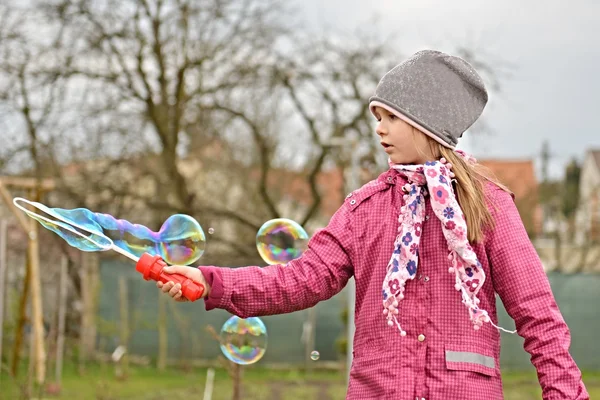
(264, 153)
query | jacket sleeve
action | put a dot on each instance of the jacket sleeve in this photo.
(321, 272)
(521, 282)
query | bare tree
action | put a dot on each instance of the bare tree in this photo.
(166, 79)
(208, 108)
(29, 100)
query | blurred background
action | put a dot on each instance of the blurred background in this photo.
(240, 111)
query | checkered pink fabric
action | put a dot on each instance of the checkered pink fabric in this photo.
(441, 357)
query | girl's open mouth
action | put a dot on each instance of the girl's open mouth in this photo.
(387, 147)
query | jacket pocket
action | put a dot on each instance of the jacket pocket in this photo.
(372, 378)
(470, 357)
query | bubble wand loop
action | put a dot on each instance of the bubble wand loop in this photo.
(89, 236)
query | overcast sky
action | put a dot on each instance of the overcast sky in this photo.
(554, 45)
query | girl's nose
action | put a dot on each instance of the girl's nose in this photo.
(380, 130)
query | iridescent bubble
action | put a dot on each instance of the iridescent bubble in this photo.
(211, 231)
(281, 240)
(243, 341)
(180, 239)
(314, 355)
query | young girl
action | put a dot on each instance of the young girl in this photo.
(429, 242)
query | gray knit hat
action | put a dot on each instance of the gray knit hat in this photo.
(439, 94)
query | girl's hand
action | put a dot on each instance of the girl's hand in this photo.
(174, 290)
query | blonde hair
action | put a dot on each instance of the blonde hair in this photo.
(471, 179)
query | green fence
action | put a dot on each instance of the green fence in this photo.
(577, 295)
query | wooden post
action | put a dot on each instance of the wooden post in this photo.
(208, 386)
(310, 339)
(36, 306)
(31, 366)
(84, 317)
(124, 324)
(32, 276)
(34, 284)
(163, 342)
(89, 286)
(3, 268)
(62, 316)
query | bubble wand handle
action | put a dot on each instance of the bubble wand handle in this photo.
(151, 267)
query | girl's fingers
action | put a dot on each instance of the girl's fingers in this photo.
(179, 296)
(174, 290)
(167, 287)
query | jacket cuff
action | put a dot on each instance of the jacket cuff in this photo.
(214, 278)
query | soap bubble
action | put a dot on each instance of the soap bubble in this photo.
(314, 355)
(243, 341)
(211, 231)
(180, 240)
(281, 240)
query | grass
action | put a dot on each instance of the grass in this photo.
(143, 383)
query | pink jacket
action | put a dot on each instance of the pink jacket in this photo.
(441, 357)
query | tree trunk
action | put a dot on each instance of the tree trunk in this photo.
(558, 250)
(237, 382)
(62, 316)
(22, 319)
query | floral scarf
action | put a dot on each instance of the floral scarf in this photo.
(436, 178)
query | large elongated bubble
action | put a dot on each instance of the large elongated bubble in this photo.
(180, 240)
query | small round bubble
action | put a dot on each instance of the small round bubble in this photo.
(314, 355)
(243, 341)
(281, 240)
(211, 231)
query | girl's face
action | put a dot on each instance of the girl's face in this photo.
(402, 142)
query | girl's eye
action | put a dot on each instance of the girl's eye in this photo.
(392, 117)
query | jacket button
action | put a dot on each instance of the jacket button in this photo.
(426, 279)
(421, 338)
(389, 178)
(353, 202)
